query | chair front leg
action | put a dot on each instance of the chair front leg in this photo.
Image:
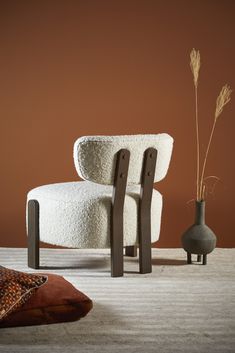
(33, 234)
(118, 197)
(145, 251)
(147, 180)
(117, 248)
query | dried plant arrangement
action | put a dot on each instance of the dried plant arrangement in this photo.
(199, 239)
(222, 99)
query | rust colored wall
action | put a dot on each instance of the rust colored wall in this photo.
(73, 68)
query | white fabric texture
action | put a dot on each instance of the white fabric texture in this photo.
(95, 156)
(77, 214)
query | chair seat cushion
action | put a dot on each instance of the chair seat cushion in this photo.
(77, 214)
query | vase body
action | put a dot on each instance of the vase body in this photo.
(199, 238)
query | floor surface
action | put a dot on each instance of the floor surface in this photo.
(178, 308)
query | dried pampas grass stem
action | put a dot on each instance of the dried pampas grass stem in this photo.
(195, 67)
(195, 64)
(222, 99)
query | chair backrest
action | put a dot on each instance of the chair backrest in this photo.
(95, 156)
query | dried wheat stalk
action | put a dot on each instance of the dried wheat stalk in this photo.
(195, 64)
(222, 99)
(195, 67)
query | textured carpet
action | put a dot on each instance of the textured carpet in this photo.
(177, 308)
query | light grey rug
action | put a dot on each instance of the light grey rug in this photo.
(177, 308)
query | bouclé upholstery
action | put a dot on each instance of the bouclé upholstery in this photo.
(77, 214)
(94, 156)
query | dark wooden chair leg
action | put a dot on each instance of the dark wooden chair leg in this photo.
(117, 256)
(33, 234)
(145, 259)
(118, 197)
(204, 261)
(199, 258)
(131, 251)
(146, 191)
(189, 258)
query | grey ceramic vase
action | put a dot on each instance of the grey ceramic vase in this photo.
(199, 239)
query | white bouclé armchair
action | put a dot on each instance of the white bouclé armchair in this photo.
(115, 206)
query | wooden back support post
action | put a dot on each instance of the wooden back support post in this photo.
(118, 198)
(144, 216)
(147, 180)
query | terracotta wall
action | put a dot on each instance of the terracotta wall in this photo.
(73, 68)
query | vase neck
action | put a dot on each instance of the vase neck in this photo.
(200, 212)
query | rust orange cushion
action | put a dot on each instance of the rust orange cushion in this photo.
(56, 301)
